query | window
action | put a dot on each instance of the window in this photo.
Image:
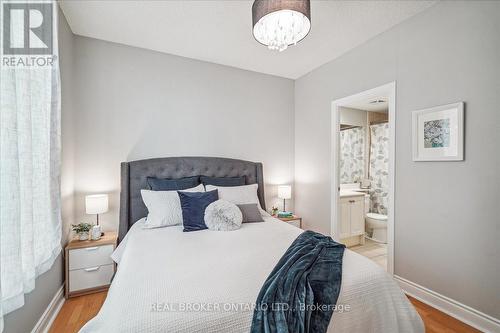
(30, 222)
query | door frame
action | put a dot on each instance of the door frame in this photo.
(389, 90)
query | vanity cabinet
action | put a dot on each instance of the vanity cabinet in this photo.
(352, 220)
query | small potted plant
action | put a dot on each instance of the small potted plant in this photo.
(274, 211)
(82, 230)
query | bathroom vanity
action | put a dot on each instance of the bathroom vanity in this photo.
(352, 217)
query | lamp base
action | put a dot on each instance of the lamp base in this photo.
(96, 232)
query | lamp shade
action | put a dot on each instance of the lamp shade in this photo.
(96, 203)
(281, 23)
(284, 192)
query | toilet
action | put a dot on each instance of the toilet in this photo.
(375, 224)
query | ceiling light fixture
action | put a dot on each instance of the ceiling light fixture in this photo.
(281, 23)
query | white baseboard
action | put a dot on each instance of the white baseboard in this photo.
(462, 312)
(48, 316)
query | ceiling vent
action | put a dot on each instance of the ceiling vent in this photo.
(377, 101)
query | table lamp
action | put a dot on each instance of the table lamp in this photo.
(284, 192)
(96, 204)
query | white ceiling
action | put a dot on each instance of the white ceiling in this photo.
(221, 31)
(368, 105)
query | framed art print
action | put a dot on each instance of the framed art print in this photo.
(438, 133)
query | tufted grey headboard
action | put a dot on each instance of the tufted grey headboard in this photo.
(134, 174)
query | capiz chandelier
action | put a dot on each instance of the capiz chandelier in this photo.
(281, 23)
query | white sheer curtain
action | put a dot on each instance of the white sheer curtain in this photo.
(30, 222)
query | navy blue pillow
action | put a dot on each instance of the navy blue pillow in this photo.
(193, 206)
(164, 184)
(223, 181)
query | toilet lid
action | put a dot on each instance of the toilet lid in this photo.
(376, 216)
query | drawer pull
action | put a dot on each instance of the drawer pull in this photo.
(92, 269)
(92, 248)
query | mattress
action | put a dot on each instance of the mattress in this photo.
(207, 281)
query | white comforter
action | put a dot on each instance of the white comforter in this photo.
(207, 281)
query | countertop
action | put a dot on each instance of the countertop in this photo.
(350, 193)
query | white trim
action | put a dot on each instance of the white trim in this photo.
(462, 312)
(45, 322)
(335, 184)
(389, 90)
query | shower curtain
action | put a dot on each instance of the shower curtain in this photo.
(379, 167)
(352, 155)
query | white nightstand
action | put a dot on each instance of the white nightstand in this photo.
(89, 267)
(294, 220)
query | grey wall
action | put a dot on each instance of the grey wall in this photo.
(46, 285)
(134, 103)
(66, 64)
(447, 216)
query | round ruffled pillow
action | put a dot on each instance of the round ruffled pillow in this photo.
(223, 215)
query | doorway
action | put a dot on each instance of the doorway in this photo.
(363, 155)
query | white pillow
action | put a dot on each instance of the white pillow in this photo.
(164, 207)
(245, 194)
(223, 215)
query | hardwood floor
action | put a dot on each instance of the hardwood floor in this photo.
(438, 322)
(78, 310)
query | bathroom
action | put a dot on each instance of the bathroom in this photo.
(364, 177)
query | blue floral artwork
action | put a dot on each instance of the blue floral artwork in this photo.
(437, 133)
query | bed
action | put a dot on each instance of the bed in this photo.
(205, 281)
